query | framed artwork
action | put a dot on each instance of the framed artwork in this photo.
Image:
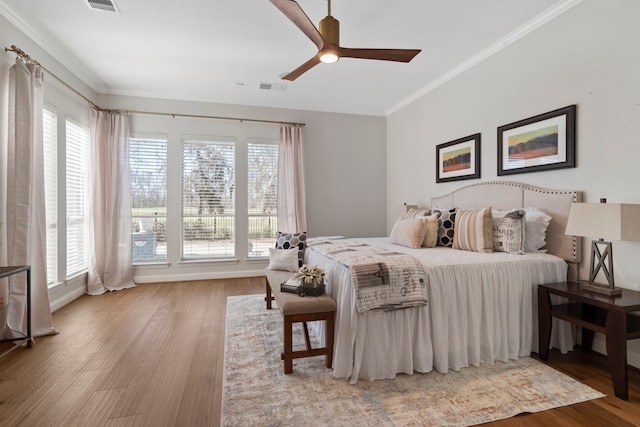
(539, 143)
(459, 159)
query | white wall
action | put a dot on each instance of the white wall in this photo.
(589, 56)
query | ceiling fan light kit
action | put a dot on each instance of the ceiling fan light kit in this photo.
(328, 56)
(327, 40)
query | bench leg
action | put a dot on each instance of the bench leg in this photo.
(307, 340)
(288, 345)
(328, 337)
(288, 354)
(269, 297)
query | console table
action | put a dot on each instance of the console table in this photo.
(10, 271)
(593, 312)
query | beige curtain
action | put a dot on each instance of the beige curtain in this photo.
(110, 266)
(26, 220)
(292, 211)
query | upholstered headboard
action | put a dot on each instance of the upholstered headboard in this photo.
(509, 195)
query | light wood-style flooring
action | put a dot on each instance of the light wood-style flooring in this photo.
(153, 356)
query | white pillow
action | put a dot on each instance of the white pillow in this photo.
(536, 225)
(408, 232)
(417, 213)
(283, 259)
(431, 232)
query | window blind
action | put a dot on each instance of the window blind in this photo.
(77, 184)
(148, 169)
(50, 147)
(262, 175)
(208, 198)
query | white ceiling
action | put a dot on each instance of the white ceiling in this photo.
(220, 51)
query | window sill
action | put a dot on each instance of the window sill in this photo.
(220, 261)
(151, 264)
(256, 260)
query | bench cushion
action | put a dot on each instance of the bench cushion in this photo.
(289, 303)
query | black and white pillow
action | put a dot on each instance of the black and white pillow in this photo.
(292, 240)
(446, 226)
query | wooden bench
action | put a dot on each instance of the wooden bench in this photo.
(296, 309)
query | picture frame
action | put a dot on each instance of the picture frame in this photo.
(458, 160)
(540, 143)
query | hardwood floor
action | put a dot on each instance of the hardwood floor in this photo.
(153, 356)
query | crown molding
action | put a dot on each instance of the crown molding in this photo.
(55, 49)
(496, 47)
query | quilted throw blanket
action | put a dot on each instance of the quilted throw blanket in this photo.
(383, 280)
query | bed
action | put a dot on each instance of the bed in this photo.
(481, 307)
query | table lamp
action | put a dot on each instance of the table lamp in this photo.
(610, 221)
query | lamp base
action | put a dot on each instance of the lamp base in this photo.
(601, 289)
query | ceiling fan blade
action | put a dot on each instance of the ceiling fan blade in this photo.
(294, 12)
(302, 69)
(398, 55)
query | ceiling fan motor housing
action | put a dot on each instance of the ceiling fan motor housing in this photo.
(330, 29)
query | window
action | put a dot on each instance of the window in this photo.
(208, 198)
(77, 167)
(50, 146)
(148, 169)
(262, 171)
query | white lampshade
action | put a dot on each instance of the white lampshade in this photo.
(609, 221)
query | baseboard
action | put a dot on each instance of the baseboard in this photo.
(57, 304)
(198, 276)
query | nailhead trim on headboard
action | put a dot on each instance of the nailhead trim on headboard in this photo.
(575, 196)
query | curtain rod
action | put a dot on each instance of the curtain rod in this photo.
(21, 54)
(200, 116)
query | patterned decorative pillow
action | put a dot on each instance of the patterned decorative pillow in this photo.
(509, 231)
(446, 225)
(473, 230)
(408, 232)
(292, 240)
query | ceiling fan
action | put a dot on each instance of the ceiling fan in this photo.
(328, 41)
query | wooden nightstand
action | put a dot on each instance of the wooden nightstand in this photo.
(594, 313)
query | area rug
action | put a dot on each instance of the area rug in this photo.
(256, 392)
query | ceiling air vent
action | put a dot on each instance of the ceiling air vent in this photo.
(103, 5)
(273, 86)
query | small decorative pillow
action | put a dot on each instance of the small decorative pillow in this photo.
(537, 222)
(292, 240)
(509, 231)
(446, 225)
(431, 234)
(417, 213)
(408, 232)
(283, 259)
(473, 230)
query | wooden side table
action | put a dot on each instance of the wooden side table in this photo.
(593, 313)
(10, 271)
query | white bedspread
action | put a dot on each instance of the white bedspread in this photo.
(481, 308)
